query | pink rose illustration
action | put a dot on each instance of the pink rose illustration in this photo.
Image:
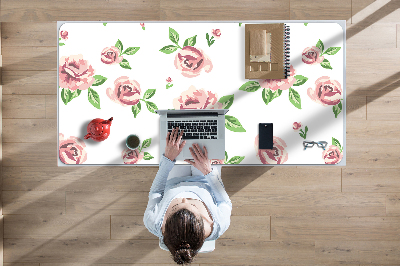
(132, 156)
(296, 126)
(216, 33)
(71, 150)
(169, 80)
(142, 25)
(277, 155)
(125, 92)
(110, 56)
(197, 99)
(279, 84)
(332, 155)
(312, 55)
(217, 161)
(75, 73)
(327, 91)
(64, 34)
(191, 61)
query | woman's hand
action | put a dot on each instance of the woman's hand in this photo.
(201, 160)
(173, 148)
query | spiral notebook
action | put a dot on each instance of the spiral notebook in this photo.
(267, 51)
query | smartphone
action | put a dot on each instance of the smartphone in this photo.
(265, 136)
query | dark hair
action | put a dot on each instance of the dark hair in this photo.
(184, 235)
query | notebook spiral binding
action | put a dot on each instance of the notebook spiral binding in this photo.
(286, 51)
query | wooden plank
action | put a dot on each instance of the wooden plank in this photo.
(378, 84)
(397, 35)
(383, 108)
(30, 82)
(79, 179)
(278, 179)
(372, 156)
(371, 180)
(110, 203)
(30, 154)
(24, 106)
(241, 227)
(373, 132)
(358, 6)
(369, 12)
(33, 202)
(367, 252)
(110, 264)
(21, 264)
(50, 226)
(29, 130)
(308, 204)
(148, 251)
(51, 106)
(320, 9)
(50, 10)
(384, 36)
(29, 34)
(172, 10)
(31, 58)
(393, 204)
(356, 108)
(335, 228)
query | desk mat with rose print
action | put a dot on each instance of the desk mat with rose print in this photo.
(129, 70)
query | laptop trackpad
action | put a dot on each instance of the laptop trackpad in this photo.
(212, 149)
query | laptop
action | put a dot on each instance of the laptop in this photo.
(205, 127)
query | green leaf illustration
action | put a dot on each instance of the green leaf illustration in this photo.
(149, 93)
(208, 39)
(326, 64)
(300, 80)
(236, 159)
(66, 96)
(119, 46)
(125, 64)
(169, 49)
(152, 107)
(59, 39)
(143, 28)
(147, 156)
(227, 101)
(136, 109)
(94, 98)
(99, 80)
(294, 98)
(306, 129)
(320, 45)
(250, 86)
(169, 86)
(173, 36)
(131, 50)
(337, 109)
(233, 124)
(190, 41)
(336, 143)
(61, 44)
(104, 24)
(305, 24)
(75, 94)
(146, 143)
(332, 50)
(240, 24)
(268, 95)
(226, 156)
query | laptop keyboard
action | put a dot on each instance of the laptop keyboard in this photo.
(196, 129)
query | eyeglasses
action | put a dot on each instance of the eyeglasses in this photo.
(310, 144)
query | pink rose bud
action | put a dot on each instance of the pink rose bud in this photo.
(132, 156)
(110, 56)
(142, 25)
(197, 99)
(191, 61)
(71, 150)
(296, 126)
(312, 55)
(327, 91)
(277, 155)
(169, 80)
(75, 73)
(216, 33)
(332, 155)
(64, 34)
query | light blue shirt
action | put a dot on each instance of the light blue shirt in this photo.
(209, 188)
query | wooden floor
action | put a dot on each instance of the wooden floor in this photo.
(281, 215)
